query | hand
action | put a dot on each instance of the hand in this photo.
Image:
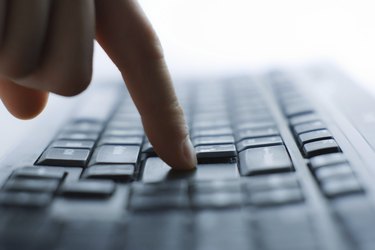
(47, 46)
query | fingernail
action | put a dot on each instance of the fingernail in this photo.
(189, 152)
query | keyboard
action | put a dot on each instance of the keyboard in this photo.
(274, 172)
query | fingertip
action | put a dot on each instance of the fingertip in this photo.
(29, 109)
(188, 151)
(23, 103)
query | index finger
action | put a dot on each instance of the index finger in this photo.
(127, 37)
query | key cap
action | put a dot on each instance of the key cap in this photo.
(160, 202)
(124, 132)
(313, 136)
(121, 140)
(255, 133)
(216, 151)
(112, 172)
(271, 182)
(213, 140)
(326, 160)
(214, 186)
(73, 144)
(341, 186)
(276, 197)
(296, 109)
(112, 154)
(217, 200)
(197, 125)
(320, 147)
(296, 120)
(32, 185)
(336, 171)
(78, 136)
(84, 126)
(88, 189)
(255, 125)
(39, 173)
(309, 126)
(264, 160)
(65, 157)
(259, 142)
(146, 234)
(155, 170)
(159, 188)
(212, 132)
(221, 229)
(27, 200)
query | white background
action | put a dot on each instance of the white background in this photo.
(201, 36)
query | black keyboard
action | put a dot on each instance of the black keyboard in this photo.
(271, 175)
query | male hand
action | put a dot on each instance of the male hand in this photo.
(47, 46)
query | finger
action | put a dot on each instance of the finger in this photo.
(22, 102)
(66, 66)
(2, 18)
(23, 37)
(128, 38)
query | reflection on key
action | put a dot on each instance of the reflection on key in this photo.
(265, 160)
(111, 154)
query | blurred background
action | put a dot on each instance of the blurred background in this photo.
(212, 36)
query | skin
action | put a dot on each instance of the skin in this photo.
(47, 46)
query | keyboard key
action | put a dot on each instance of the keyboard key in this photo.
(326, 160)
(160, 188)
(309, 126)
(112, 172)
(295, 109)
(320, 147)
(32, 185)
(73, 144)
(313, 136)
(212, 132)
(121, 140)
(159, 202)
(334, 187)
(155, 170)
(146, 232)
(39, 173)
(27, 200)
(65, 157)
(213, 140)
(276, 197)
(334, 171)
(295, 120)
(255, 125)
(271, 182)
(215, 171)
(255, 133)
(124, 132)
(88, 189)
(216, 151)
(217, 200)
(79, 136)
(84, 126)
(265, 160)
(112, 154)
(197, 125)
(215, 186)
(259, 142)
